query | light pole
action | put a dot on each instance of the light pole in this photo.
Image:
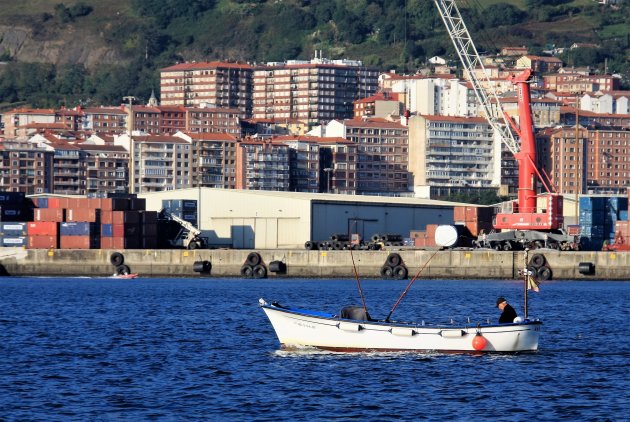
(132, 167)
(328, 171)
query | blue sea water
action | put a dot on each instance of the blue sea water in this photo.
(90, 349)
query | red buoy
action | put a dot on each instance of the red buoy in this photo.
(479, 342)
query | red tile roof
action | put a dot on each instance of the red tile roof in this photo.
(206, 65)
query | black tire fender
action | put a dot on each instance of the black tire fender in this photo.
(253, 259)
(387, 271)
(538, 260)
(400, 272)
(123, 270)
(545, 273)
(393, 260)
(117, 259)
(247, 271)
(260, 271)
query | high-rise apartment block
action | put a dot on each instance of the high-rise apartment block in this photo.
(314, 92)
(449, 154)
(208, 84)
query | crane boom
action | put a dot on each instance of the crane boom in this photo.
(470, 59)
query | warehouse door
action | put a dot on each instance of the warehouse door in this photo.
(266, 233)
(243, 234)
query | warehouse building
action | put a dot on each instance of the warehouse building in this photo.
(267, 220)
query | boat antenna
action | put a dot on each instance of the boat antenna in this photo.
(409, 285)
(356, 275)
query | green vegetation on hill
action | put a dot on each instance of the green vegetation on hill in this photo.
(145, 35)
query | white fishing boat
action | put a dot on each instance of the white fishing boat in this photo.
(297, 328)
(352, 330)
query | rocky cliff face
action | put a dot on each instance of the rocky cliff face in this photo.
(61, 48)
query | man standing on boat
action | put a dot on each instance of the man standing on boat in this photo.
(508, 314)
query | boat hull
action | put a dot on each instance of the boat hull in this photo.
(299, 329)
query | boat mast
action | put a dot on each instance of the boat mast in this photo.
(525, 279)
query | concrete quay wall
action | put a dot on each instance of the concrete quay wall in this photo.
(475, 264)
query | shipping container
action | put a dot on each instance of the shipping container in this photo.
(12, 198)
(56, 215)
(94, 203)
(148, 217)
(40, 202)
(14, 241)
(107, 230)
(107, 217)
(57, 202)
(138, 204)
(89, 215)
(14, 229)
(79, 229)
(15, 213)
(149, 242)
(149, 229)
(43, 242)
(43, 228)
(79, 242)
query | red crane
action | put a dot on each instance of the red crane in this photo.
(522, 224)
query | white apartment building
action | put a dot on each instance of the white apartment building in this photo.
(452, 152)
(612, 102)
(160, 162)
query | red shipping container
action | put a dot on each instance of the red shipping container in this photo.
(49, 214)
(43, 242)
(88, 215)
(431, 228)
(43, 228)
(107, 243)
(107, 217)
(79, 242)
(94, 203)
(57, 202)
(459, 214)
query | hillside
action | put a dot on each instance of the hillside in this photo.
(96, 52)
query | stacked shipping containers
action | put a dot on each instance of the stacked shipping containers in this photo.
(598, 219)
(477, 220)
(84, 223)
(15, 211)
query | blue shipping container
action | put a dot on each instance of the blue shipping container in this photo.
(14, 241)
(14, 229)
(623, 215)
(107, 230)
(79, 229)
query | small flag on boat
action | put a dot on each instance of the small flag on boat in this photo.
(533, 284)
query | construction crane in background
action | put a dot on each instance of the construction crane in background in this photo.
(522, 224)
